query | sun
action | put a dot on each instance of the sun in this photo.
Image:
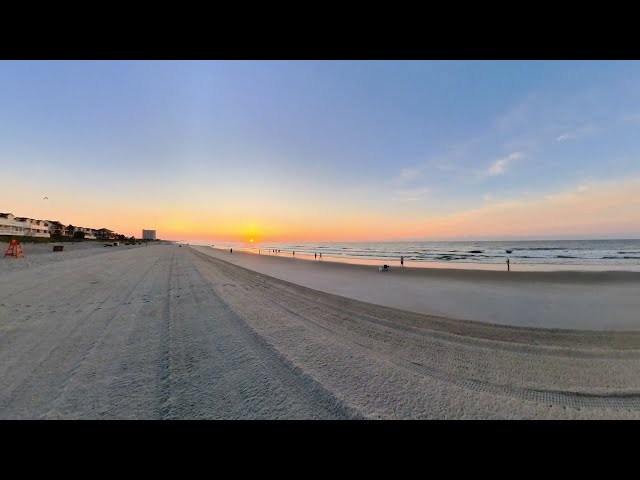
(251, 240)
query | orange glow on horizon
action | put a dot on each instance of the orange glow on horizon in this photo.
(590, 208)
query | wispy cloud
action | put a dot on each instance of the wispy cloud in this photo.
(588, 208)
(500, 166)
(411, 195)
(407, 175)
(577, 133)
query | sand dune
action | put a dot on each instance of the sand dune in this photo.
(169, 332)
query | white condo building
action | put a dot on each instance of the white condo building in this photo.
(23, 226)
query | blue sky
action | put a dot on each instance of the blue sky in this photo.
(332, 143)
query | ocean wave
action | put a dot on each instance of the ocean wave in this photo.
(551, 252)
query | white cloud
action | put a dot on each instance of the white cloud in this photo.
(500, 166)
(411, 195)
(577, 133)
(407, 175)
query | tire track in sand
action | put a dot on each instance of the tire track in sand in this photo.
(221, 368)
(358, 329)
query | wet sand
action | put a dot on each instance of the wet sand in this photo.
(557, 300)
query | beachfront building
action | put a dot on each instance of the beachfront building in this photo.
(39, 228)
(105, 234)
(148, 234)
(88, 232)
(23, 226)
(9, 225)
(56, 228)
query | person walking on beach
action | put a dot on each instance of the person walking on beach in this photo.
(508, 266)
(315, 255)
(401, 261)
(231, 250)
(294, 253)
(320, 255)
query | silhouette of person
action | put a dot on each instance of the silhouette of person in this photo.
(320, 255)
(231, 250)
(294, 253)
(401, 261)
(508, 266)
(315, 255)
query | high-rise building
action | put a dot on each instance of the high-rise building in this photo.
(148, 234)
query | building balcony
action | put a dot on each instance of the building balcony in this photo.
(11, 230)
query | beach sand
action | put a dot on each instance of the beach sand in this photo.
(169, 332)
(567, 300)
(38, 254)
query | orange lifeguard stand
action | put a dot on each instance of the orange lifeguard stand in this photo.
(14, 250)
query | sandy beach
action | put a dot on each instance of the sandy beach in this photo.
(561, 300)
(166, 332)
(37, 254)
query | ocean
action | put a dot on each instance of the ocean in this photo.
(602, 253)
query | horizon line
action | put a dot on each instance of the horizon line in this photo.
(417, 240)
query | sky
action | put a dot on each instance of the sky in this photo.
(325, 150)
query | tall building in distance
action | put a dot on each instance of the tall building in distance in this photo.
(148, 234)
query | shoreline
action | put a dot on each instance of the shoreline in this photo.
(470, 271)
(597, 301)
(497, 267)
